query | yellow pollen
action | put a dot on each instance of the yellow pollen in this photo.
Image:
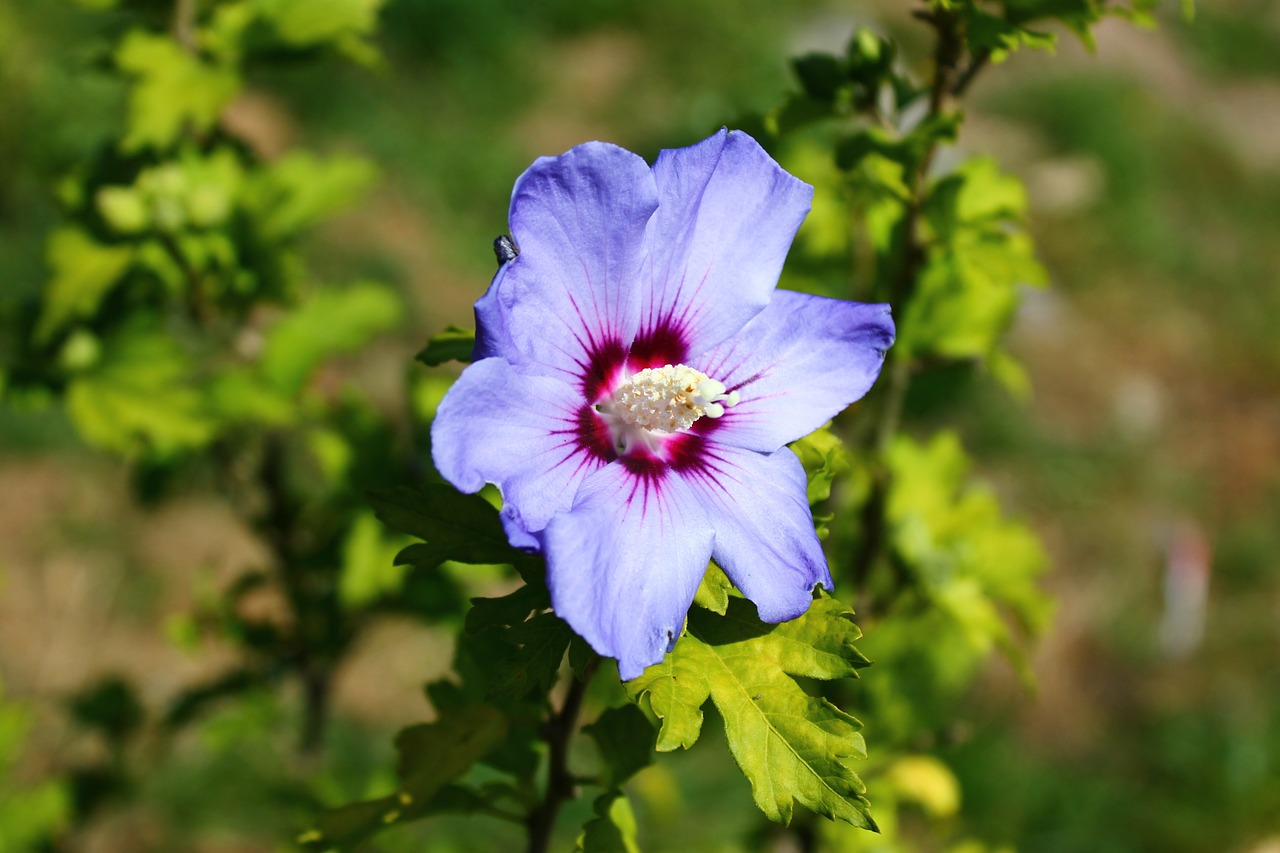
(669, 399)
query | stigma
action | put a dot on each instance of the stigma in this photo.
(660, 401)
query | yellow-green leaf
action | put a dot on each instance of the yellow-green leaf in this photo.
(791, 746)
(84, 271)
(173, 89)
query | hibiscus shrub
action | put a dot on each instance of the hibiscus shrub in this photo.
(650, 447)
(629, 296)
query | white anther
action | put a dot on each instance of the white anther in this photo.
(668, 399)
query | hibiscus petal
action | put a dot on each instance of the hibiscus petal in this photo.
(795, 366)
(726, 217)
(624, 562)
(579, 221)
(497, 425)
(765, 540)
(492, 337)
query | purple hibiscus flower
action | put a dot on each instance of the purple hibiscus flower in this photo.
(637, 378)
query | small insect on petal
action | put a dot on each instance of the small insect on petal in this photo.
(505, 249)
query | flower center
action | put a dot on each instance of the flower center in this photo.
(660, 401)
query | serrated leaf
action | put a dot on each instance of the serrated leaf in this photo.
(791, 746)
(518, 754)
(613, 830)
(329, 323)
(453, 344)
(538, 647)
(345, 827)
(83, 273)
(905, 150)
(487, 614)
(998, 37)
(455, 526)
(625, 740)
(432, 755)
(174, 89)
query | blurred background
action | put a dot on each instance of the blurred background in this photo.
(1147, 456)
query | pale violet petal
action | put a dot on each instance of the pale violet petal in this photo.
(497, 425)
(624, 562)
(726, 217)
(796, 365)
(579, 221)
(492, 337)
(765, 540)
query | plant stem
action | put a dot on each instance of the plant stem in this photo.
(314, 668)
(184, 24)
(558, 733)
(317, 682)
(948, 82)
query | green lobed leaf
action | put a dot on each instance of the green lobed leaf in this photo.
(518, 754)
(613, 829)
(139, 398)
(966, 294)
(83, 273)
(791, 746)
(998, 37)
(329, 323)
(536, 649)
(174, 90)
(520, 652)
(453, 344)
(487, 614)
(625, 739)
(194, 190)
(907, 150)
(432, 755)
(465, 528)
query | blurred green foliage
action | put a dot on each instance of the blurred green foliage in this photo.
(28, 813)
